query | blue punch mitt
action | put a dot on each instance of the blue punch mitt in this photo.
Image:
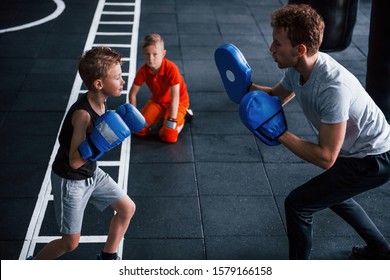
(234, 70)
(263, 115)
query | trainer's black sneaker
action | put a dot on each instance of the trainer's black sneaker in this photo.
(29, 258)
(366, 253)
(99, 257)
(189, 115)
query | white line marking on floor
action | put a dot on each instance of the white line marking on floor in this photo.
(114, 33)
(60, 8)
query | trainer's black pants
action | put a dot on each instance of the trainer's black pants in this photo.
(334, 189)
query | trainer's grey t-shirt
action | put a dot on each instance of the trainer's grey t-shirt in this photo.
(333, 95)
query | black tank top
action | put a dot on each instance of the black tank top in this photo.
(61, 164)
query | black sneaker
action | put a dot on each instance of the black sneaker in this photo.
(366, 253)
(99, 257)
(189, 115)
(29, 258)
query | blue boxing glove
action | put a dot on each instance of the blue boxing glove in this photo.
(109, 131)
(263, 115)
(132, 117)
(234, 70)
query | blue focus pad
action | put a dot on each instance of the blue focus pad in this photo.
(263, 115)
(109, 131)
(132, 117)
(234, 70)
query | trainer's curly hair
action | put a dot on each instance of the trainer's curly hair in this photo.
(95, 64)
(302, 23)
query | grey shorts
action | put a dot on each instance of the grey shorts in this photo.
(72, 196)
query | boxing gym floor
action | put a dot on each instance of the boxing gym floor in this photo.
(215, 194)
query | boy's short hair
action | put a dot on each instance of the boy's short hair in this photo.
(95, 64)
(302, 23)
(153, 39)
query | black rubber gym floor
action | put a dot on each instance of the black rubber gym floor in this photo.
(218, 192)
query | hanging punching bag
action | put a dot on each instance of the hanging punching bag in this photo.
(339, 17)
(378, 60)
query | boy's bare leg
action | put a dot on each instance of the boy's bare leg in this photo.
(58, 247)
(125, 209)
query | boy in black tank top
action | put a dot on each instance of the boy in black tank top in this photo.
(77, 181)
(61, 165)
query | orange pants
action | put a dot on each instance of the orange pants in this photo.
(153, 112)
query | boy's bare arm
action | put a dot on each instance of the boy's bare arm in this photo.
(81, 122)
(175, 97)
(133, 95)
